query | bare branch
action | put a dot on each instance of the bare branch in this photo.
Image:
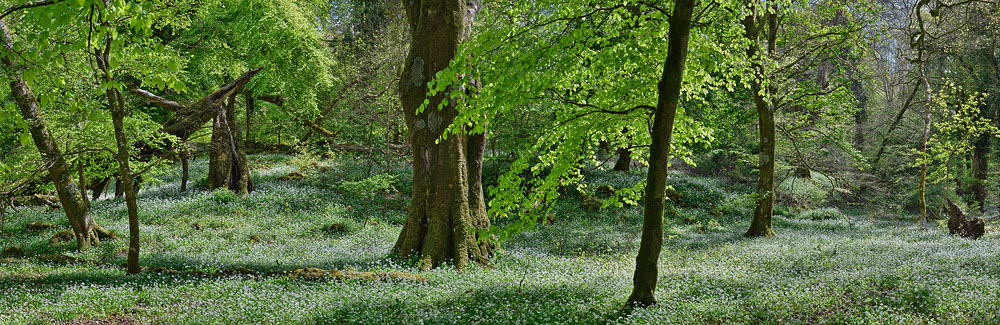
(157, 100)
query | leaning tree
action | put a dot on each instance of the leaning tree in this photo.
(228, 166)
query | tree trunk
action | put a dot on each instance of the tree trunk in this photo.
(646, 271)
(82, 181)
(184, 170)
(248, 98)
(99, 188)
(119, 188)
(447, 207)
(624, 162)
(861, 117)
(926, 137)
(85, 229)
(116, 104)
(761, 226)
(980, 170)
(227, 163)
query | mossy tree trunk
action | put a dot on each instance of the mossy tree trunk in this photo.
(227, 161)
(85, 229)
(646, 270)
(753, 25)
(447, 207)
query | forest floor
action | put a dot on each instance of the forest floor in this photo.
(577, 270)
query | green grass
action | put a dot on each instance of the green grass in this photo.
(577, 270)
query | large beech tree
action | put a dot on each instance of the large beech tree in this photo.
(447, 209)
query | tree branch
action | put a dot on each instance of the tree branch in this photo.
(28, 5)
(157, 100)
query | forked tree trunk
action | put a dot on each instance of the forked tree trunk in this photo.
(447, 207)
(761, 225)
(227, 162)
(85, 229)
(624, 162)
(646, 270)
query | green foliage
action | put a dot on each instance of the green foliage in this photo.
(828, 213)
(280, 36)
(956, 133)
(369, 187)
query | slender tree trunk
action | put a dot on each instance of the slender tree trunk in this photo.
(926, 137)
(761, 225)
(85, 229)
(646, 270)
(447, 208)
(184, 169)
(116, 103)
(624, 162)
(117, 117)
(248, 98)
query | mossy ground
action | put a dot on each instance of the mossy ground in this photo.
(576, 270)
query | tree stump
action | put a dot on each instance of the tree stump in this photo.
(963, 226)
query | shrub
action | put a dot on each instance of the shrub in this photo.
(822, 214)
(368, 187)
(223, 196)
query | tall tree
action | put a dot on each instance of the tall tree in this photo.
(754, 24)
(85, 229)
(669, 89)
(447, 209)
(799, 54)
(116, 104)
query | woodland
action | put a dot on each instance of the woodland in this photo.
(513, 161)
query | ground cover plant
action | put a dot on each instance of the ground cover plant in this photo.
(573, 270)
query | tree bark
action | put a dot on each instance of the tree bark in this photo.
(188, 118)
(624, 162)
(646, 270)
(447, 208)
(227, 163)
(761, 225)
(85, 229)
(82, 178)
